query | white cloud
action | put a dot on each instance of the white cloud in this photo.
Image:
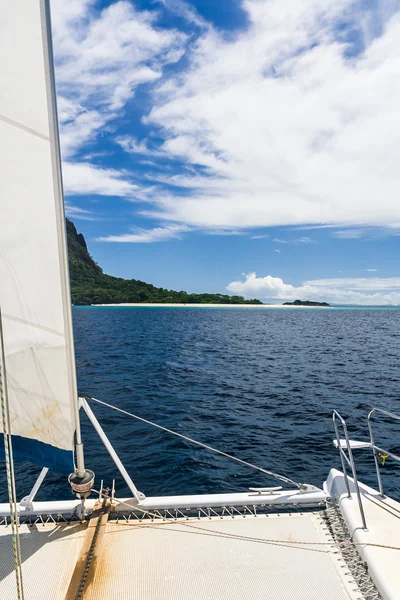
(186, 11)
(102, 56)
(285, 122)
(74, 212)
(133, 146)
(358, 283)
(339, 291)
(371, 270)
(83, 129)
(304, 240)
(300, 240)
(260, 237)
(85, 178)
(223, 232)
(148, 236)
(350, 234)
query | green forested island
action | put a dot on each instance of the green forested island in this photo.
(89, 285)
(306, 303)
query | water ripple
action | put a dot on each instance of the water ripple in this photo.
(260, 384)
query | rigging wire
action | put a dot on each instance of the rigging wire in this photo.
(188, 439)
(12, 494)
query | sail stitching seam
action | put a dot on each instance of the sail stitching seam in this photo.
(43, 327)
(24, 128)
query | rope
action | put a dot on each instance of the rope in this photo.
(12, 494)
(249, 538)
(215, 533)
(191, 440)
(90, 554)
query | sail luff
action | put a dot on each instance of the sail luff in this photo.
(34, 288)
(61, 224)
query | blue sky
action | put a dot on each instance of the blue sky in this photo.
(248, 146)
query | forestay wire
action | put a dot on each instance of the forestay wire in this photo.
(12, 494)
(191, 440)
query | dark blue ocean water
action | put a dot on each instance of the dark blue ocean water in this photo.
(260, 384)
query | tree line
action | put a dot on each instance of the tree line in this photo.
(89, 285)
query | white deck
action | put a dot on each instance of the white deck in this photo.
(383, 529)
(49, 554)
(193, 560)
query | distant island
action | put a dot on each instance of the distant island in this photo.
(306, 303)
(89, 285)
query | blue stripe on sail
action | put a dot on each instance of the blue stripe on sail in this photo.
(39, 453)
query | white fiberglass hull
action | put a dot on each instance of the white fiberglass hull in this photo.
(258, 530)
(279, 499)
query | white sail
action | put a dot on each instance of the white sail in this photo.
(34, 287)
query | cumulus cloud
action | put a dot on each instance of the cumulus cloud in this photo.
(148, 236)
(287, 122)
(386, 291)
(292, 120)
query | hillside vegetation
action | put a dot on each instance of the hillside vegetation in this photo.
(89, 285)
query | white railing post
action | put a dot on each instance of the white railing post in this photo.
(27, 501)
(110, 449)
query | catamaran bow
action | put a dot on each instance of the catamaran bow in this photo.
(234, 537)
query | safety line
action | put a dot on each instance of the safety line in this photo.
(188, 439)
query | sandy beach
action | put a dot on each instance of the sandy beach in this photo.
(251, 306)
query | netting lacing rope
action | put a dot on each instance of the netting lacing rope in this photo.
(191, 440)
(12, 495)
(302, 544)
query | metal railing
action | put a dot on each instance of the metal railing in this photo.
(348, 458)
(377, 450)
